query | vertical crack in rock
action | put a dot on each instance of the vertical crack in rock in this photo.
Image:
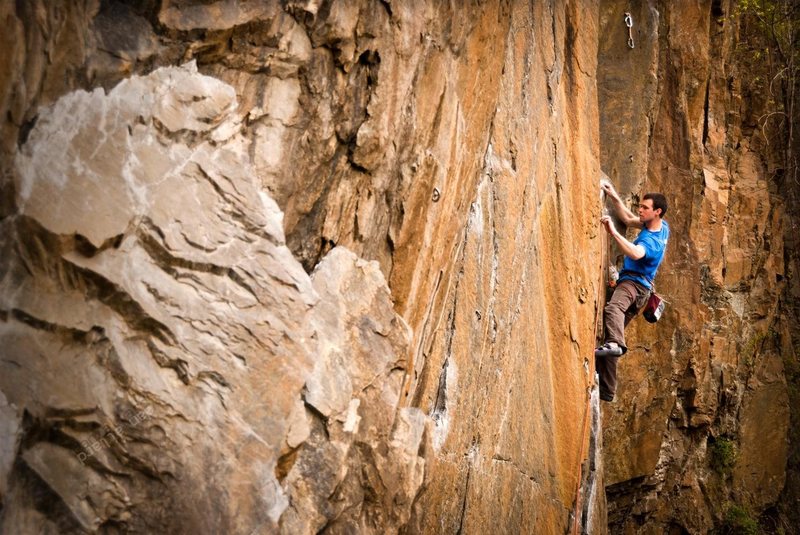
(705, 113)
(439, 414)
(464, 500)
(593, 505)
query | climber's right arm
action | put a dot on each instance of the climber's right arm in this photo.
(629, 249)
(628, 218)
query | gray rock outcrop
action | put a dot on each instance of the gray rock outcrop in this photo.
(168, 364)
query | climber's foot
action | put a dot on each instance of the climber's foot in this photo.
(609, 349)
(605, 396)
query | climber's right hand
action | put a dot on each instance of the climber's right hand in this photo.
(606, 186)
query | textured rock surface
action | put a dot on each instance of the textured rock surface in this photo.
(502, 361)
(347, 278)
(171, 366)
(168, 364)
(711, 372)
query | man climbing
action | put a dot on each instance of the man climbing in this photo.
(642, 258)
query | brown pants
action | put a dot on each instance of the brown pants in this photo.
(628, 299)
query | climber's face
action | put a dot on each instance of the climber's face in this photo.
(646, 213)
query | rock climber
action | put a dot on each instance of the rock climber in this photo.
(642, 258)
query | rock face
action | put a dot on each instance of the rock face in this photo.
(702, 427)
(202, 206)
(502, 363)
(168, 363)
(286, 267)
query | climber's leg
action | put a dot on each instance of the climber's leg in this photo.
(625, 295)
(606, 368)
(628, 298)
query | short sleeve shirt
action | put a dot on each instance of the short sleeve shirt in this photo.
(644, 270)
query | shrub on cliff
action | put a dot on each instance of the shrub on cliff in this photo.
(723, 455)
(739, 521)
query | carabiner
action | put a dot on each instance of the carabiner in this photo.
(629, 24)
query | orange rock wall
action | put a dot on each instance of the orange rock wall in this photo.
(337, 265)
(675, 117)
(502, 361)
(432, 166)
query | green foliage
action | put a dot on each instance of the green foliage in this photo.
(771, 38)
(776, 19)
(791, 370)
(723, 455)
(755, 345)
(751, 348)
(739, 521)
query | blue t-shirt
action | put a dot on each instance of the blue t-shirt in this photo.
(644, 270)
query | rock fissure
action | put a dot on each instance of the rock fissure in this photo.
(463, 507)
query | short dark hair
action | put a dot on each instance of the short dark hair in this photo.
(659, 201)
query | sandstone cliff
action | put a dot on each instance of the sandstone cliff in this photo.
(170, 169)
(336, 265)
(702, 432)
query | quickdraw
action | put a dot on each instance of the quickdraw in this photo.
(629, 24)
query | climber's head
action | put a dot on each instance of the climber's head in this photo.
(653, 207)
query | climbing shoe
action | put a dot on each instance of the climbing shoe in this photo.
(605, 396)
(609, 349)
